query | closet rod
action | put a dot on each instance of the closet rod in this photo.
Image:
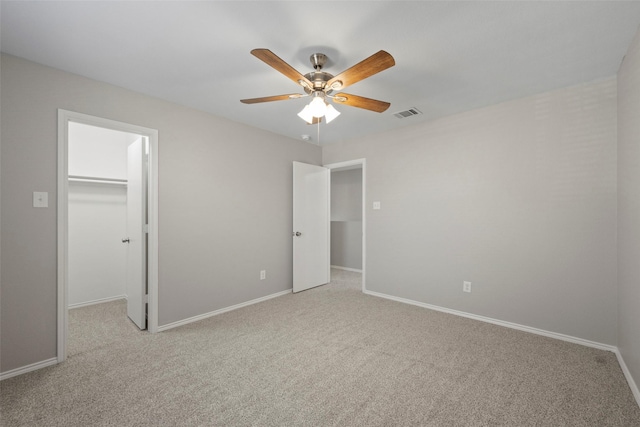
(78, 178)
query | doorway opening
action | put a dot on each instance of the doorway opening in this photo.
(107, 175)
(348, 221)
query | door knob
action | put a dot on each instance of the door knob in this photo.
(125, 240)
(297, 234)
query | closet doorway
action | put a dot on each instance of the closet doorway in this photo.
(107, 206)
(347, 220)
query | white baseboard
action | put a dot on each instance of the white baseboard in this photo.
(220, 311)
(97, 301)
(632, 384)
(627, 374)
(28, 368)
(53, 361)
(593, 344)
(511, 325)
(355, 270)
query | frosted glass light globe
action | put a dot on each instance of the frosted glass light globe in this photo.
(317, 107)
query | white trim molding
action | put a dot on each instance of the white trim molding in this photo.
(64, 117)
(356, 164)
(338, 267)
(627, 374)
(97, 301)
(28, 368)
(220, 311)
(511, 325)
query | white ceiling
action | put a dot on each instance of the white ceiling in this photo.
(450, 56)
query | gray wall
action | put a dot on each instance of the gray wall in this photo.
(518, 198)
(346, 218)
(224, 203)
(629, 209)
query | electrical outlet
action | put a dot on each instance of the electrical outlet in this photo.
(263, 274)
(466, 286)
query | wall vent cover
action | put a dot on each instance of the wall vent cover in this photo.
(407, 113)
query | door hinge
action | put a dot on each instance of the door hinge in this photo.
(146, 299)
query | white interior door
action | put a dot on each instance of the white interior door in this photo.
(310, 226)
(136, 235)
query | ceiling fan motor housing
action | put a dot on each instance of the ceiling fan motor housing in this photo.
(319, 80)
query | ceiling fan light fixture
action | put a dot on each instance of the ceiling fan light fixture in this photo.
(331, 113)
(306, 115)
(317, 106)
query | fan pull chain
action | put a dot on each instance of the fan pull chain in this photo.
(318, 132)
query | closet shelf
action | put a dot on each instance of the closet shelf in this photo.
(96, 180)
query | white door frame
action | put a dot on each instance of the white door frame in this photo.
(64, 117)
(349, 164)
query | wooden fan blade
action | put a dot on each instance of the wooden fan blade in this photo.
(274, 61)
(361, 102)
(372, 65)
(272, 98)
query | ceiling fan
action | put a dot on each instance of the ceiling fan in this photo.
(320, 85)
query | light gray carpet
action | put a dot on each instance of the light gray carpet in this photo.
(330, 356)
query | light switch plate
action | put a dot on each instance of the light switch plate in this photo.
(40, 199)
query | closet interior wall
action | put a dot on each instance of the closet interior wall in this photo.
(97, 214)
(346, 219)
